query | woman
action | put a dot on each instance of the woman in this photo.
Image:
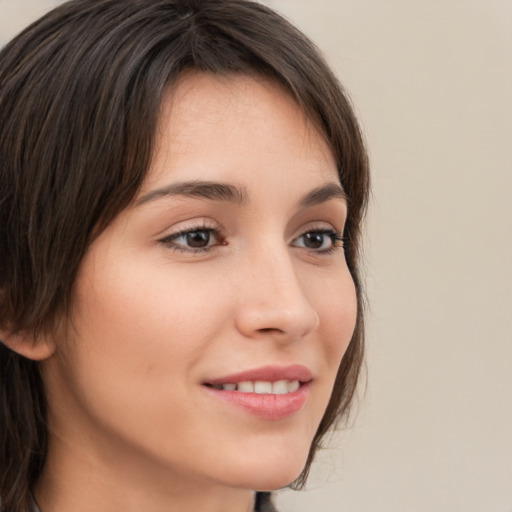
(182, 188)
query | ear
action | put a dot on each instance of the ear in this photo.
(28, 346)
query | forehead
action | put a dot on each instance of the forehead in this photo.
(227, 124)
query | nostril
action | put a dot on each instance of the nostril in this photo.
(261, 319)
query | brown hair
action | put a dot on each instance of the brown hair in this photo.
(80, 92)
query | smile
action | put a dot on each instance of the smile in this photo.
(269, 393)
(280, 387)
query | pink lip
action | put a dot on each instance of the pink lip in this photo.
(268, 374)
(265, 406)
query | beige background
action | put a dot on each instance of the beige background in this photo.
(432, 82)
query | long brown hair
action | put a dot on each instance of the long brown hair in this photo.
(80, 91)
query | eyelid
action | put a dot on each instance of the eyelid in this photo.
(319, 225)
(335, 231)
(335, 237)
(190, 226)
(207, 225)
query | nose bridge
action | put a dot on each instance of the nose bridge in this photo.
(274, 300)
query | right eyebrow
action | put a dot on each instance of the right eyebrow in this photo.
(331, 190)
(216, 191)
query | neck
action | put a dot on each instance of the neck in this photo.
(81, 483)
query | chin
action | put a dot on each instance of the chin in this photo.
(269, 473)
(273, 482)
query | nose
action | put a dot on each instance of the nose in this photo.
(273, 303)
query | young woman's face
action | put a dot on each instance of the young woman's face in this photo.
(203, 307)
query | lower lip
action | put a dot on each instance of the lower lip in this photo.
(265, 406)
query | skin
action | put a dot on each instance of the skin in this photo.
(132, 427)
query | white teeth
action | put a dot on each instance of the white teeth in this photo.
(279, 387)
(262, 388)
(293, 385)
(246, 387)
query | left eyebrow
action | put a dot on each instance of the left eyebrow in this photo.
(214, 191)
(323, 194)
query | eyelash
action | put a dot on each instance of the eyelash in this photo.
(337, 240)
(169, 241)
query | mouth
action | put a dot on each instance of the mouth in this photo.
(259, 387)
(270, 393)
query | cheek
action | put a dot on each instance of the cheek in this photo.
(338, 311)
(336, 304)
(142, 315)
(139, 328)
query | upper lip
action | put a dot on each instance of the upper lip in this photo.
(266, 374)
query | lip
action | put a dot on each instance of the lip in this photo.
(265, 406)
(268, 374)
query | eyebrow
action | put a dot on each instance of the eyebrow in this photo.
(323, 194)
(224, 192)
(203, 189)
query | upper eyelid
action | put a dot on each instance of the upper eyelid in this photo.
(182, 232)
(210, 225)
(188, 226)
(329, 231)
(319, 225)
(170, 241)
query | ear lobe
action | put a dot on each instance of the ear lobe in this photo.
(27, 346)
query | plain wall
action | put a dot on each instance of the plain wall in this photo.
(432, 83)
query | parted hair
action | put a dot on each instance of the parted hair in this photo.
(80, 93)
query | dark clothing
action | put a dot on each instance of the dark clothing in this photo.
(264, 502)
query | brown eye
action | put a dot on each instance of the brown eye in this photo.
(320, 241)
(314, 240)
(193, 240)
(199, 238)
